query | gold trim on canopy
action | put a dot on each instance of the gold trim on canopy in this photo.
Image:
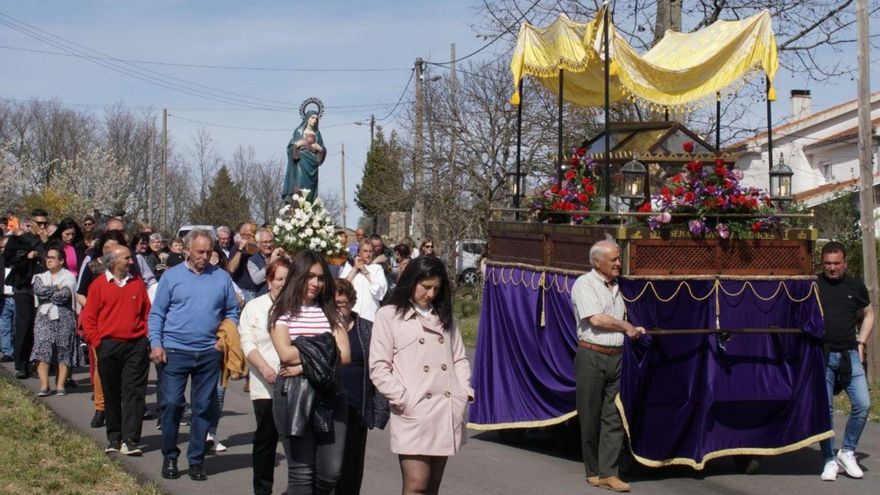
(681, 70)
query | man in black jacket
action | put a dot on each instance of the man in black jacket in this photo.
(25, 256)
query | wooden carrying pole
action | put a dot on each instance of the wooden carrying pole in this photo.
(730, 331)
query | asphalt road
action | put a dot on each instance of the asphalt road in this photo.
(536, 463)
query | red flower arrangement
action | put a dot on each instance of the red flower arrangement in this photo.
(574, 193)
(709, 191)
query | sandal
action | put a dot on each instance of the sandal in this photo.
(44, 393)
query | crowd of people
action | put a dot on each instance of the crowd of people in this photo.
(327, 352)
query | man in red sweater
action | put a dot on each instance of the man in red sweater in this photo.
(114, 320)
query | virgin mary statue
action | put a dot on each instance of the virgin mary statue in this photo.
(305, 153)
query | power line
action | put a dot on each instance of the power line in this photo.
(210, 66)
(352, 108)
(260, 129)
(493, 40)
(135, 71)
(402, 94)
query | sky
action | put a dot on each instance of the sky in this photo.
(385, 37)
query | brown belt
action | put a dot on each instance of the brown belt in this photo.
(601, 349)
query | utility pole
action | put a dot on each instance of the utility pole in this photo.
(150, 145)
(866, 183)
(418, 211)
(343, 187)
(372, 129)
(164, 218)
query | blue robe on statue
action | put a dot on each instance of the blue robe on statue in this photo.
(302, 162)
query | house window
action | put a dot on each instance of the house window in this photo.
(826, 172)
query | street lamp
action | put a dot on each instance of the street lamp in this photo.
(635, 179)
(780, 183)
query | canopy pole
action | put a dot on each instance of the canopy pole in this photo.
(559, 156)
(666, 114)
(769, 136)
(518, 192)
(607, 175)
(718, 122)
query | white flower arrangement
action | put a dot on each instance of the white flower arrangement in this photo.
(302, 224)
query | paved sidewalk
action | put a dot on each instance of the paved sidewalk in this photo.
(486, 465)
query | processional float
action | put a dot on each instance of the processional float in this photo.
(732, 363)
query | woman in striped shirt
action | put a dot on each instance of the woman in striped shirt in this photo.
(306, 307)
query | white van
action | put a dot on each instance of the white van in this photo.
(184, 229)
(467, 260)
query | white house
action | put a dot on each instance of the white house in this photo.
(820, 147)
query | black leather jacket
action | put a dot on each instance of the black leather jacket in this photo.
(307, 399)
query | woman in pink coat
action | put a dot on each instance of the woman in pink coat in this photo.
(417, 361)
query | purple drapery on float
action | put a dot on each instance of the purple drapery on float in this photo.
(684, 399)
(689, 398)
(523, 367)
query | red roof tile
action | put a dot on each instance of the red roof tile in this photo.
(841, 136)
(780, 130)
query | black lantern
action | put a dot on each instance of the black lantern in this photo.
(635, 179)
(780, 183)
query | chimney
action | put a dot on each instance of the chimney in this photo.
(800, 103)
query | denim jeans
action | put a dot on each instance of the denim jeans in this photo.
(314, 460)
(221, 398)
(203, 369)
(7, 324)
(857, 390)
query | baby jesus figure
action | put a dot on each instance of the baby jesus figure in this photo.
(309, 141)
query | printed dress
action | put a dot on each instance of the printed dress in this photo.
(55, 325)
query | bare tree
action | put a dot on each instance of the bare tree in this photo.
(133, 141)
(265, 190)
(333, 204)
(205, 161)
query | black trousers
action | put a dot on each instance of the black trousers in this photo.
(265, 444)
(353, 460)
(124, 366)
(23, 343)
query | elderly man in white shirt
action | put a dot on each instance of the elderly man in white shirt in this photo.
(369, 281)
(601, 329)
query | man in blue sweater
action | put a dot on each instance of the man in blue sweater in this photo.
(191, 301)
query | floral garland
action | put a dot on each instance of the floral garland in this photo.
(303, 224)
(574, 193)
(705, 191)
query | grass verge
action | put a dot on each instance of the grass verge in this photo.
(466, 309)
(41, 455)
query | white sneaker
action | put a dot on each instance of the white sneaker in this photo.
(210, 442)
(829, 473)
(847, 460)
(219, 447)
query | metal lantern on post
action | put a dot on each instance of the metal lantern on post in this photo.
(780, 183)
(635, 179)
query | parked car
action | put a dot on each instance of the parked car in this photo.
(184, 229)
(468, 253)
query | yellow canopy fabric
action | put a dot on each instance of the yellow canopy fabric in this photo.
(681, 69)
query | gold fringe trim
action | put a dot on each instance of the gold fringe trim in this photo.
(522, 424)
(718, 288)
(684, 461)
(538, 268)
